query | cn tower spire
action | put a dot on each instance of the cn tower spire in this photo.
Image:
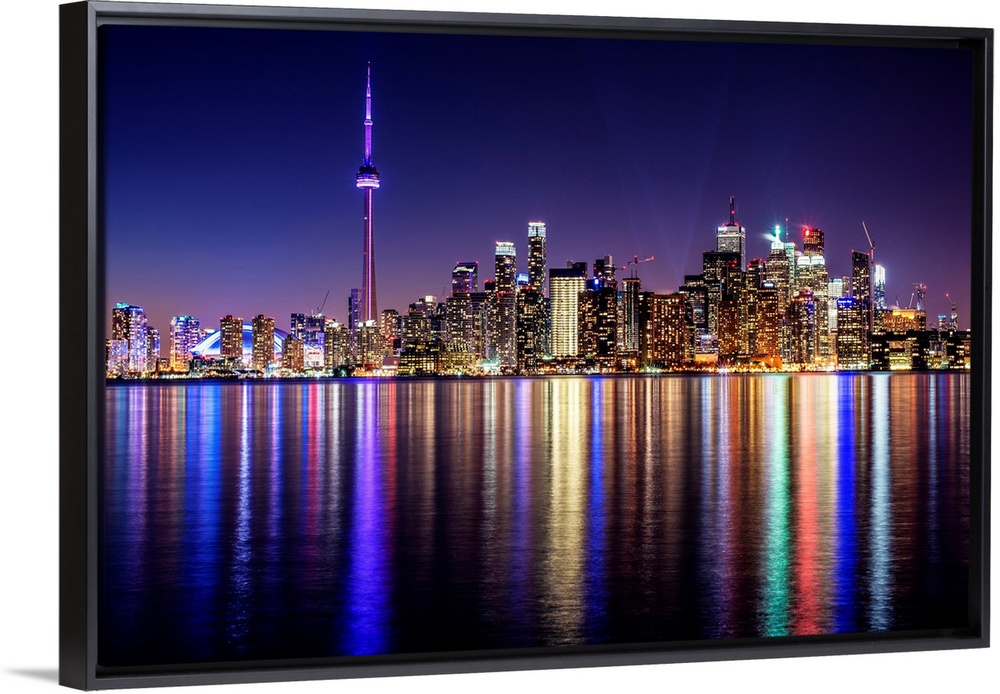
(368, 119)
(367, 180)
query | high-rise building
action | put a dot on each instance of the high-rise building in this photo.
(778, 270)
(465, 277)
(630, 323)
(861, 285)
(185, 334)
(767, 342)
(565, 286)
(336, 343)
(505, 267)
(853, 351)
(530, 333)
(731, 237)
(231, 343)
(813, 277)
(597, 323)
(152, 348)
(878, 286)
(368, 179)
(263, 342)
(719, 268)
(293, 355)
(813, 242)
(802, 328)
(537, 256)
(503, 315)
(670, 328)
(128, 323)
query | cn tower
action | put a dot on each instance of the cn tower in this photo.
(368, 181)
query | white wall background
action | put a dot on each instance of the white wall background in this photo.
(28, 397)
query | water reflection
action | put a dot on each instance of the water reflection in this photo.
(272, 520)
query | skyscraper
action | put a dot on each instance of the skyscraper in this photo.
(128, 323)
(536, 256)
(731, 237)
(368, 179)
(465, 277)
(185, 334)
(861, 285)
(263, 342)
(231, 345)
(565, 286)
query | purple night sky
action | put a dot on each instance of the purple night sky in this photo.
(230, 156)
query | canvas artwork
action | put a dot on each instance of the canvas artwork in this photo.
(425, 344)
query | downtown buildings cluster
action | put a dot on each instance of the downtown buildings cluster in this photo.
(779, 313)
(784, 312)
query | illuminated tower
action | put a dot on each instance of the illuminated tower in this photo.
(536, 256)
(368, 180)
(263, 342)
(185, 334)
(731, 237)
(128, 323)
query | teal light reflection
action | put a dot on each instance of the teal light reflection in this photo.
(776, 597)
(880, 608)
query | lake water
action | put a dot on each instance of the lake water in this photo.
(258, 520)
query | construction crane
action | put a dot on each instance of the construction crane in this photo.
(871, 244)
(635, 262)
(954, 312)
(319, 311)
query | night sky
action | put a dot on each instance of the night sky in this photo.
(230, 156)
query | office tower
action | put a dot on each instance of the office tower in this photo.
(505, 267)
(852, 334)
(185, 334)
(369, 341)
(813, 277)
(697, 297)
(262, 350)
(565, 286)
(128, 323)
(768, 334)
(231, 343)
(670, 331)
(778, 271)
(537, 256)
(812, 242)
(801, 316)
(731, 237)
(465, 277)
(503, 315)
(604, 273)
(597, 323)
(878, 286)
(630, 314)
(368, 180)
(719, 268)
(530, 332)
(861, 285)
(729, 330)
(293, 355)
(336, 343)
(392, 330)
(835, 289)
(459, 319)
(353, 321)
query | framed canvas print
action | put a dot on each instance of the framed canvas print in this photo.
(429, 342)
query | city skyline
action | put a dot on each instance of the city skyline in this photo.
(201, 215)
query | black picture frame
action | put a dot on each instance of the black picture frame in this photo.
(81, 281)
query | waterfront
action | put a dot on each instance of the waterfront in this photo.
(350, 517)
